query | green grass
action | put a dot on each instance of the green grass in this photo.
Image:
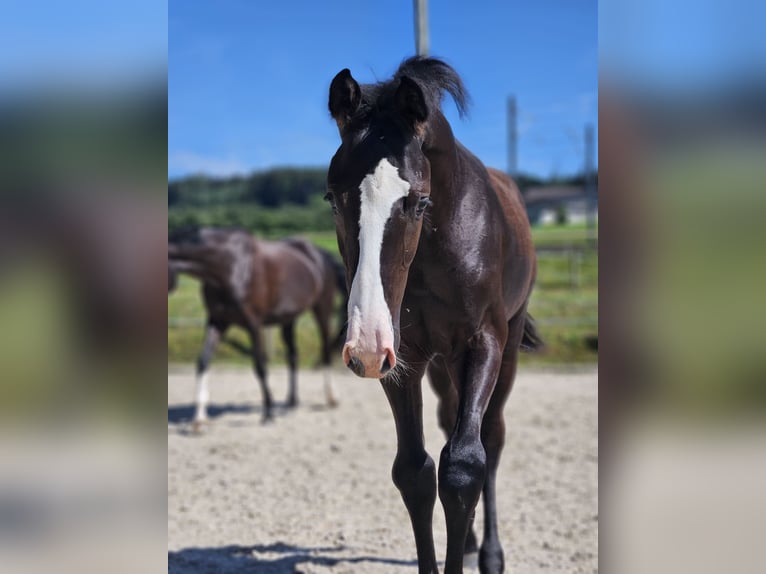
(564, 304)
(557, 235)
(186, 317)
(324, 239)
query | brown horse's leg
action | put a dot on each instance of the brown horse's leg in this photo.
(322, 313)
(288, 336)
(213, 335)
(259, 364)
(463, 464)
(493, 437)
(414, 472)
(442, 384)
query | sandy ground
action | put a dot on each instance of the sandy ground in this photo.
(311, 493)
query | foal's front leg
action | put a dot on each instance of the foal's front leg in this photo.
(414, 472)
(463, 464)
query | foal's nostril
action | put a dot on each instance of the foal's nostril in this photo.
(386, 366)
(356, 366)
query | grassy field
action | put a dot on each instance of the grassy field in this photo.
(564, 303)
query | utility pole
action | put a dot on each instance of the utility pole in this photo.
(591, 201)
(421, 27)
(512, 136)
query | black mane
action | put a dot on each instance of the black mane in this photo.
(434, 77)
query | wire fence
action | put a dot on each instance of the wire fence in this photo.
(576, 256)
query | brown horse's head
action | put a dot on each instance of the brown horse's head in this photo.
(379, 187)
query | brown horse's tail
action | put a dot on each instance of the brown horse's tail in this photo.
(339, 272)
(531, 341)
(172, 278)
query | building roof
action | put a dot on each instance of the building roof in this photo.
(553, 194)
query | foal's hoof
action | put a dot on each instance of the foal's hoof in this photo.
(267, 418)
(332, 403)
(291, 403)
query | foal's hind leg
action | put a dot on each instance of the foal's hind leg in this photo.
(442, 384)
(493, 437)
(213, 335)
(259, 364)
(288, 336)
(322, 313)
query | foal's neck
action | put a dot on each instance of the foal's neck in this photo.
(441, 149)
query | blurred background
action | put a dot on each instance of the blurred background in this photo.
(682, 370)
(83, 139)
(250, 137)
(85, 134)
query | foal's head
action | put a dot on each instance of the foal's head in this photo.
(379, 187)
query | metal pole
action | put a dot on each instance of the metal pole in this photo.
(512, 136)
(590, 187)
(421, 27)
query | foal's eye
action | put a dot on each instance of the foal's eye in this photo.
(329, 198)
(423, 202)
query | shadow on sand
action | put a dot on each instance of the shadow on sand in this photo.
(183, 414)
(245, 559)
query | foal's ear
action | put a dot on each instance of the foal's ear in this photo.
(345, 97)
(411, 102)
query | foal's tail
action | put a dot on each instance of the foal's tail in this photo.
(531, 341)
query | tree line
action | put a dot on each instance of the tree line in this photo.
(275, 202)
(270, 189)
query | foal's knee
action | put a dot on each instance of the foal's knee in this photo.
(415, 476)
(462, 470)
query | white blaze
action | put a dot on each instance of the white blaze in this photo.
(367, 309)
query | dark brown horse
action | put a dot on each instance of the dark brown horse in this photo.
(254, 283)
(440, 261)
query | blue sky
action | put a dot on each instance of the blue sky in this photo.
(81, 43)
(248, 80)
(684, 46)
